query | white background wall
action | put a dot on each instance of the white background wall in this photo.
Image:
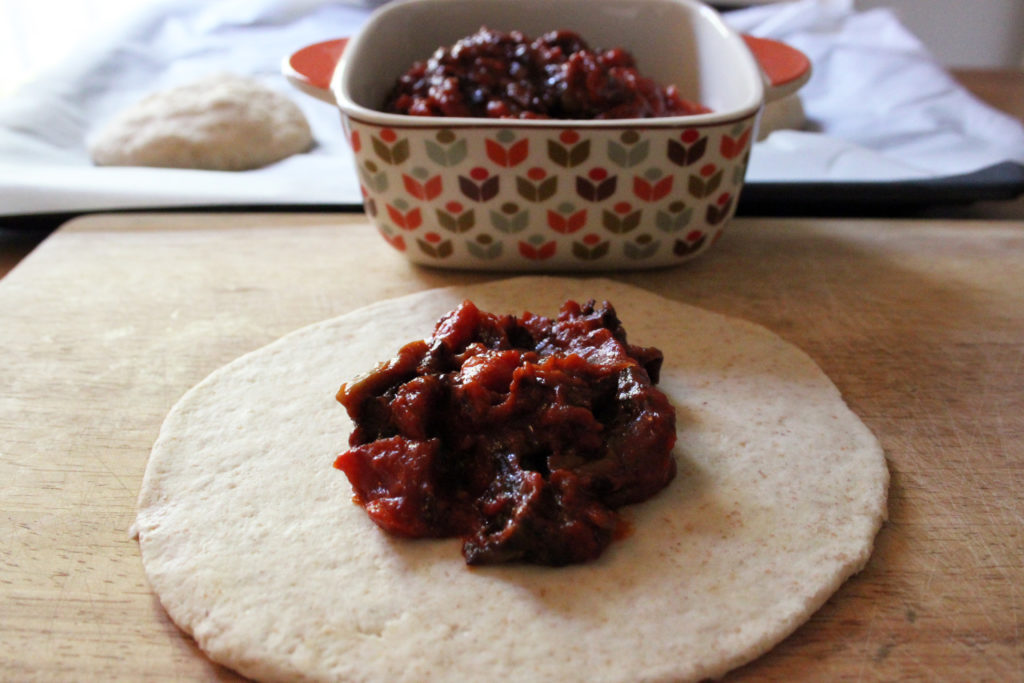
(969, 33)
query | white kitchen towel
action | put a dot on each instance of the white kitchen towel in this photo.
(880, 108)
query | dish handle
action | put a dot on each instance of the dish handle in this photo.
(786, 69)
(311, 68)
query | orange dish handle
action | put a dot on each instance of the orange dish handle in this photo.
(311, 68)
(786, 69)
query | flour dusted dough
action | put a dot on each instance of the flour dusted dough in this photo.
(254, 546)
(222, 123)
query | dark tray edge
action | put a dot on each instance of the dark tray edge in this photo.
(999, 182)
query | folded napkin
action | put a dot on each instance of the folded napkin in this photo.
(879, 106)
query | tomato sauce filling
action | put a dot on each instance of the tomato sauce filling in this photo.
(491, 74)
(520, 435)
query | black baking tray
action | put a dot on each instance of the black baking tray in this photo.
(1000, 182)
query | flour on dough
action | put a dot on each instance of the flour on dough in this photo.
(222, 123)
(252, 542)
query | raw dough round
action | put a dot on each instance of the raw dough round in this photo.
(255, 548)
(222, 123)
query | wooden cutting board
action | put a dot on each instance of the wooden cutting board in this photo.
(920, 324)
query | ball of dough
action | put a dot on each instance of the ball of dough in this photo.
(223, 122)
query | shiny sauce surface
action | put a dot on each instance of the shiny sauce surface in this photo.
(520, 435)
(491, 74)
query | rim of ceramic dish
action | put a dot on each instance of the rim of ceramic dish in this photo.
(343, 75)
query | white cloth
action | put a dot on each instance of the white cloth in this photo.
(883, 109)
(881, 106)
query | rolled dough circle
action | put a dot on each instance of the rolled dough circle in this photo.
(255, 548)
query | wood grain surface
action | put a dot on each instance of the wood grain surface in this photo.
(112, 318)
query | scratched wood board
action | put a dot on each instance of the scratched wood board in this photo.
(111, 319)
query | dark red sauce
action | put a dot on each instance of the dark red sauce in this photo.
(557, 76)
(520, 435)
